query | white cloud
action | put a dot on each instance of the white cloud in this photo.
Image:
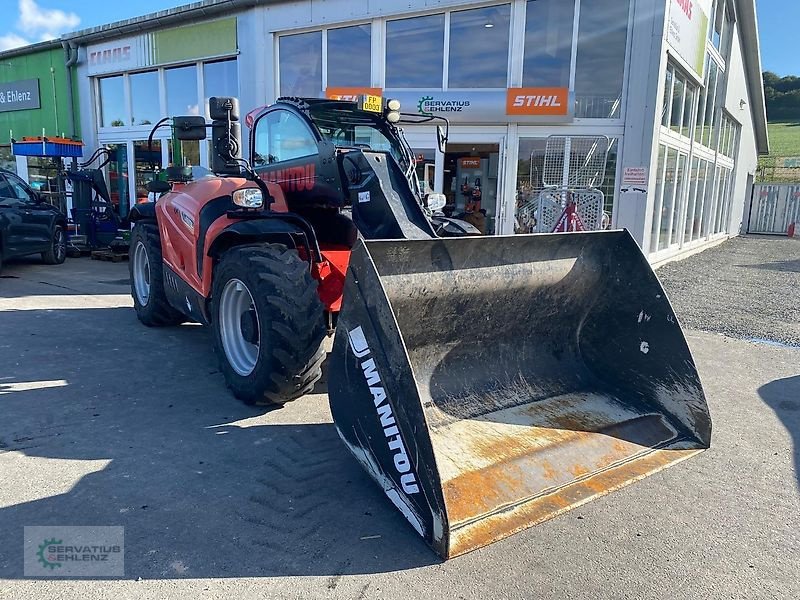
(44, 23)
(12, 40)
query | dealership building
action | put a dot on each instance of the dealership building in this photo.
(671, 88)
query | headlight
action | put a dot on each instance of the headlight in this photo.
(248, 198)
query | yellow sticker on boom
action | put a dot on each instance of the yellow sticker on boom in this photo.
(372, 103)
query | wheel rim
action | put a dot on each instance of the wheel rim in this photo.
(239, 327)
(141, 274)
(60, 244)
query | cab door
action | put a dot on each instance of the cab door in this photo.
(287, 152)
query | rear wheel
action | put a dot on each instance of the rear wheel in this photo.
(147, 278)
(268, 324)
(56, 254)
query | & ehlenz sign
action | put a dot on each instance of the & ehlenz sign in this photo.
(19, 95)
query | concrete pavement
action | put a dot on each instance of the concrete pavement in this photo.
(106, 422)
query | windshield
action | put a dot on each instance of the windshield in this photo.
(349, 129)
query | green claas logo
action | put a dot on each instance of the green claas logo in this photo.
(47, 554)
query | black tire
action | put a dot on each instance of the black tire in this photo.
(57, 253)
(154, 310)
(289, 322)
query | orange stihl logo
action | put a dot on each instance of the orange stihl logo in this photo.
(537, 101)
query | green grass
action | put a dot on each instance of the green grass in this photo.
(784, 139)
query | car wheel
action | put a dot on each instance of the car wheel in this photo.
(57, 253)
(147, 278)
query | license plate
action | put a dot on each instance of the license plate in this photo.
(373, 104)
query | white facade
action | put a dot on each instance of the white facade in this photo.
(472, 59)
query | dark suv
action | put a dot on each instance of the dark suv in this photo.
(27, 224)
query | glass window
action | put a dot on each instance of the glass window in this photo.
(680, 201)
(189, 156)
(719, 20)
(118, 178)
(659, 198)
(415, 52)
(670, 187)
(19, 189)
(688, 110)
(701, 109)
(727, 32)
(708, 209)
(220, 78)
(282, 136)
(7, 196)
(667, 104)
(602, 43)
(711, 91)
(181, 83)
(697, 220)
(112, 102)
(548, 43)
(144, 98)
(478, 55)
(301, 64)
(349, 54)
(676, 115)
(147, 164)
(694, 177)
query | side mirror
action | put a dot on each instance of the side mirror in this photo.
(222, 108)
(189, 128)
(441, 138)
(436, 202)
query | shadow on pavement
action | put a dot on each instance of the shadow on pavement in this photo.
(783, 397)
(786, 266)
(202, 486)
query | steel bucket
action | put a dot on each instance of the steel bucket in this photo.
(489, 384)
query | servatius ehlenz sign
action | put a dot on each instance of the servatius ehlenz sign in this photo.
(19, 95)
(688, 31)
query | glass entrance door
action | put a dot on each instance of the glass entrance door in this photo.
(471, 184)
(118, 188)
(147, 163)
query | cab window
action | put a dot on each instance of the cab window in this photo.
(282, 136)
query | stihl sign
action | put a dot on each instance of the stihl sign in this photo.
(537, 101)
(351, 94)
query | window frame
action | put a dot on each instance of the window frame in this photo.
(515, 69)
(126, 129)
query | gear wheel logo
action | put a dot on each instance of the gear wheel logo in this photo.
(421, 106)
(47, 560)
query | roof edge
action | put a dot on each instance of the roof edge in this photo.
(751, 53)
(31, 49)
(170, 17)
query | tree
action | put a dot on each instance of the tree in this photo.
(783, 97)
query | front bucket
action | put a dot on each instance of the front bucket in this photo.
(488, 384)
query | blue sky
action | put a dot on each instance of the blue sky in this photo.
(34, 20)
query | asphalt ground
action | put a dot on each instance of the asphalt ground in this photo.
(106, 422)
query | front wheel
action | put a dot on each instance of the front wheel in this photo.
(268, 324)
(56, 254)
